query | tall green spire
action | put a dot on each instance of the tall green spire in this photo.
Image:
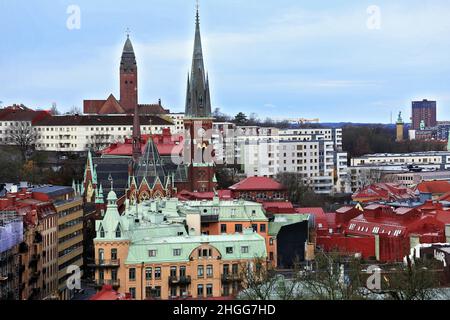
(198, 100)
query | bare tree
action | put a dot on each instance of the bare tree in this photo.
(259, 280)
(99, 142)
(74, 111)
(22, 135)
(417, 279)
(54, 110)
(333, 276)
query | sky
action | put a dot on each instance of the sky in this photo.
(336, 60)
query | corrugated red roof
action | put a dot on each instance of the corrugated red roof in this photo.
(434, 187)
(257, 184)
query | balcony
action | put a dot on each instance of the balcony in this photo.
(229, 277)
(105, 264)
(175, 281)
(99, 284)
(210, 218)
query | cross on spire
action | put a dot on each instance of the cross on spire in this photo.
(128, 31)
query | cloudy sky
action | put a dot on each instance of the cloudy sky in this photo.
(286, 58)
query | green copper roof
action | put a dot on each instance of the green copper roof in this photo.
(244, 246)
(286, 220)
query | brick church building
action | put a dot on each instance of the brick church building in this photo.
(144, 173)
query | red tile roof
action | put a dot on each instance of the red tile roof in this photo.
(384, 192)
(257, 184)
(434, 187)
(192, 196)
(108, 294)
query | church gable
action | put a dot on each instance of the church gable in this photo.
(111, 106)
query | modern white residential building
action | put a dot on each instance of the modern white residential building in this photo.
(315, 154)
(80, 133)
(407, 168)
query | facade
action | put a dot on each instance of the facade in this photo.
(198, 123)
(151, 256)
(424, 111)
(259, 189)
(129, 91)
(16, 121)
(315, 154)
(92, 132)
(382, 233)
(384, 192)
(69, 210)
(11, 235)
(37, 254)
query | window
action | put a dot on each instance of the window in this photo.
(157, 292)
(118, 232)
(271, 241)
(235, 269)
(209, 271)
(244, 249)
(229, 250)
(173, 271)
(200, 290)
(102, 232)
(148, 274)
(148, 292)
(182, 271)
(238, 228)
(177, 252)
(255, 227)
(209, 290)
(132, 274)
(262, 228)
(114, 254)
(226, 269)
(200, 271)
(158, 273)
(133, 293)
(223, 228)
(173, 292)
(152, 253)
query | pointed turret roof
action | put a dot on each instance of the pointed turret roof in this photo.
(128, 57)
(150, 166)
(198, 101)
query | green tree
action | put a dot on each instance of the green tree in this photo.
(240, 119)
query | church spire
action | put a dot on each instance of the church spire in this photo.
(198, 102)
(136, 134)
(128, 77)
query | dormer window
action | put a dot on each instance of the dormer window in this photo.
(118, 232)
(102, 232)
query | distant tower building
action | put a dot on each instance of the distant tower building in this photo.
(448, 142)
(400, 128)
(424, 110)
(128, 78)
(198, 123)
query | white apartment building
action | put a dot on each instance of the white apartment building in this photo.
(314, 154)
(398, 168)
(178, 122)
(80, 133)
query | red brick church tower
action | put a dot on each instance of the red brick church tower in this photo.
(198, 122)
(128, 78)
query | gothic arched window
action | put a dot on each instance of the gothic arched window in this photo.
(118, 232)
